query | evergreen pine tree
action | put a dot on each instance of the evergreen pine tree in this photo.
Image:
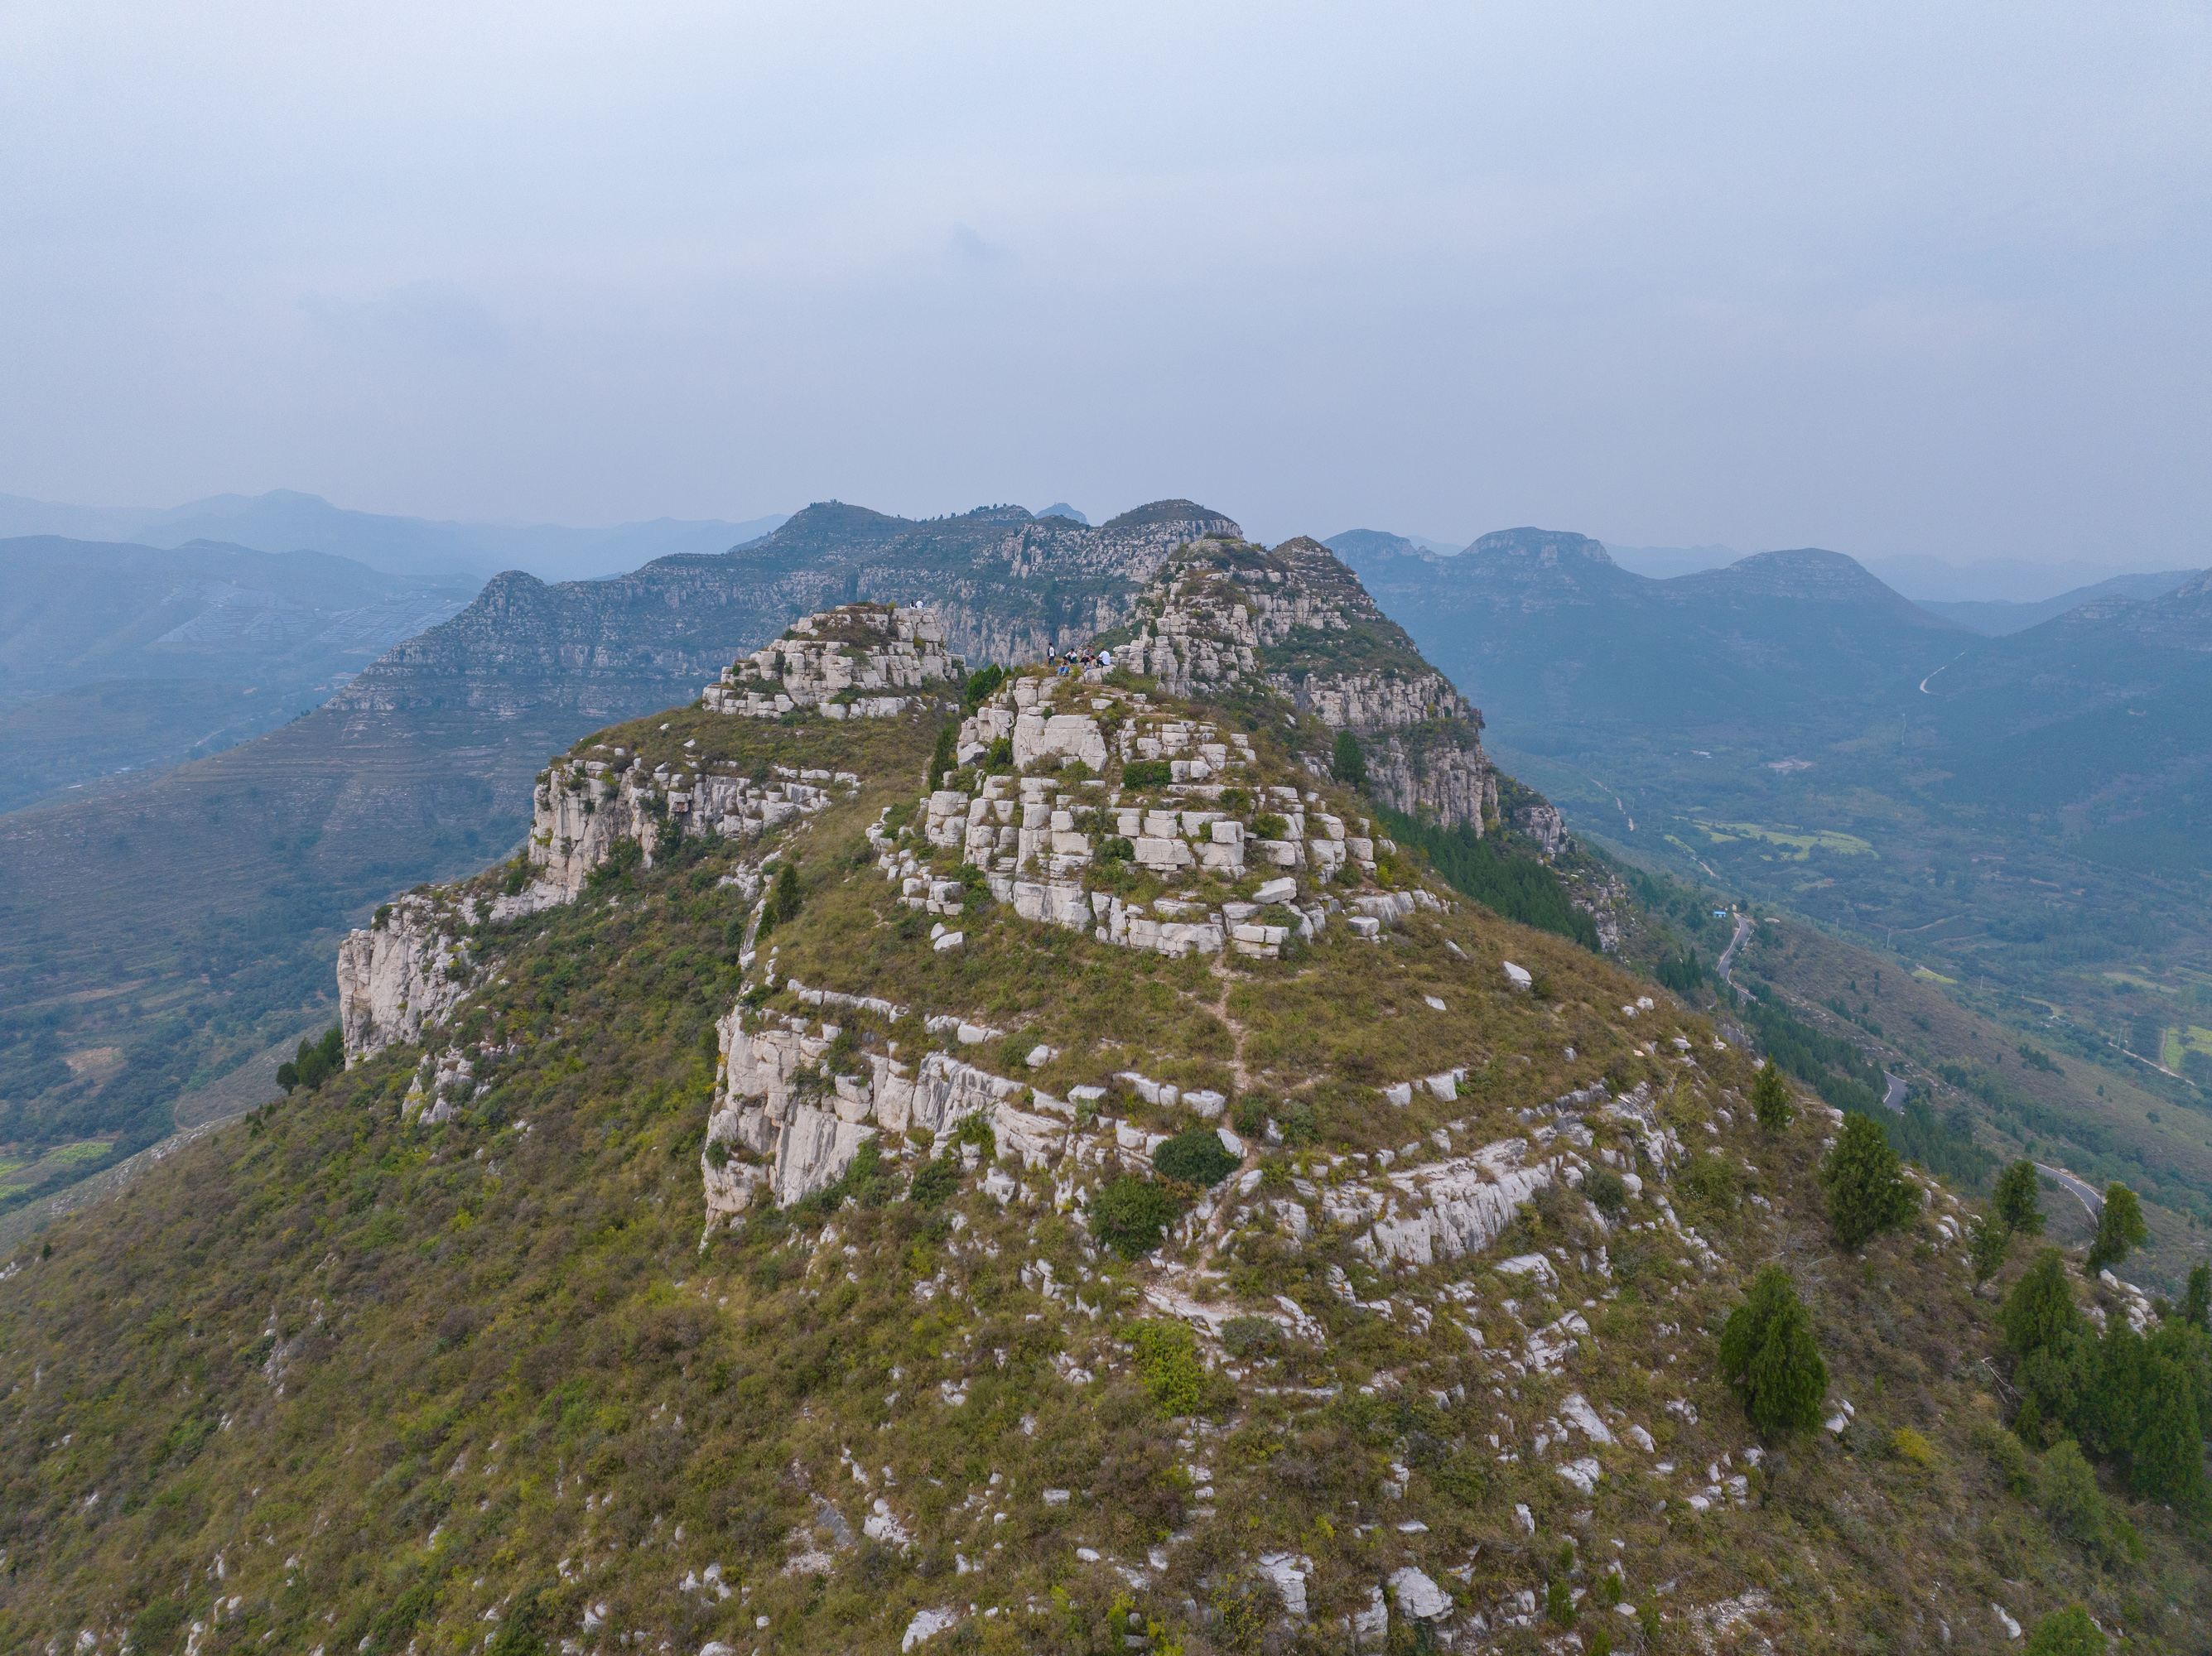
(2196, 1298)
(1348, 760)
(2039, 1312)
(1769, 1355)
(1866, 1191)
(2165, 1442)
(1770, 1098)
(2120, 1229)
(2018, 1201)
(1988, 1241)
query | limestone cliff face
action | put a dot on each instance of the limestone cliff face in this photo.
(1297, 620)
(858, 661)
(585, 809)
(407, 969)
(788, 1121)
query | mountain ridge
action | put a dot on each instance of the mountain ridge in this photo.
(1029, 1169)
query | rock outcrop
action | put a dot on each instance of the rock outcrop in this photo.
(586, 809)
(859, 661)
(1296, 620)
(406, 969)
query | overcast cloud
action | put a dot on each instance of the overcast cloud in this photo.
(1889, 279)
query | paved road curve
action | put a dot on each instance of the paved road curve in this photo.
(1728, 955)
(1894, 1096)
(2081, 1189)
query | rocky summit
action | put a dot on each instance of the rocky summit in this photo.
(913, 1159)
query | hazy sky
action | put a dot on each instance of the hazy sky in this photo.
(1887, 279)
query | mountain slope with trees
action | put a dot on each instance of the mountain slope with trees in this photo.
(730, 1261)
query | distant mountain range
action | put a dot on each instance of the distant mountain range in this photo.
(1996, 618)
(184, 919)
(1991, 595)
(117, 658)
(417, 548)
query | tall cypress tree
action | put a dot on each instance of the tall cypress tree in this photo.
(2019, 1200)
(1769, 1356)
(2120, 1229)
(1867, 1192)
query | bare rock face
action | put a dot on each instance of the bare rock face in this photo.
(788, 1123)
(585, 809)
(858, 661)
(1296, 620)
(404, 971)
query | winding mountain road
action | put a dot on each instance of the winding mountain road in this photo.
(1728, 955)
(1893, 1096)
(2080, 1189)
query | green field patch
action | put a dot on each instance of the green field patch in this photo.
(1926, 976)
(1798, 845)
(86, 1150)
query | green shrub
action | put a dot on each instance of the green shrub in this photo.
(1146, 773)
(1168, 1364)
(1131, 1215)
(1251, 1337)
(1606, 1191)
(1769, 1356)
(935, 1181)
(946, 756)
(2072, 1504)
(2069, 1633)
(1195, 1156)
(1349, 761)
(2005, 1454)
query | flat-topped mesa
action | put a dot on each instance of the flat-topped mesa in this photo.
(857, 661)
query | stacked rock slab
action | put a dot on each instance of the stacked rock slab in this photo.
(583, 807)
(859, 661)
(1034, 837)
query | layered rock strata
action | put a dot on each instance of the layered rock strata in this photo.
(1296, 620)
(859, 661)
(583, 807)
(407, 968)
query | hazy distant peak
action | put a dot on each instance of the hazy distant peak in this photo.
(1061, 509)
(1354, 544)
(838, 518)
(1546, 546)
(1807, 574)
(1204, 519)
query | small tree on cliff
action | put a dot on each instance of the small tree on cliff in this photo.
(1769, 1355)
(2120, 1229)
(1770, 1098)
(1867, 1192)
(1349, 761)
